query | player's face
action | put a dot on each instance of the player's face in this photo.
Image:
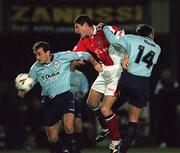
(42, 56)
(83, 30)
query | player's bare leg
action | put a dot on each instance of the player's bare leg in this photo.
(94, 98)
(52, 133)
(78, 125)
(94, 102)
(68, 121)
(134, 113)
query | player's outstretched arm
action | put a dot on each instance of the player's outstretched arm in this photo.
(97, 65)
(115, 40)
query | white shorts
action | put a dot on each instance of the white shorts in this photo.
(107, 81)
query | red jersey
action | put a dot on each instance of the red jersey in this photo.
(97, 44)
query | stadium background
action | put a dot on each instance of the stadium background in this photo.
(22, 23)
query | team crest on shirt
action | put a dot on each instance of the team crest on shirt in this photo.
(99, 42)
(57, 65)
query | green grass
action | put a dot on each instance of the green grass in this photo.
(103, 150)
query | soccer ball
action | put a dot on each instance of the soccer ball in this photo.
(24, 82)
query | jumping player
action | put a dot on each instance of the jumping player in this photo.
(103, 92)
(134, 83)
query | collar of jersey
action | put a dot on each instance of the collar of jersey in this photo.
(52, 57)
(94, 30)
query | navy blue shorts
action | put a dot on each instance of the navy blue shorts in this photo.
(78, 109)
(134, 89)
(53, 109)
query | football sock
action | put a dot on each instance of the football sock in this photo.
(113, 126)
(72, 143)
(55, 147)
(79, 140)
(129, 137)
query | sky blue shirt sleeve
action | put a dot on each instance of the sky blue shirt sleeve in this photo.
(32, 73)
(71, 55)
(143, 52)
(115, 40)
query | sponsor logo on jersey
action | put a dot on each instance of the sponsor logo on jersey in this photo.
(52, 76)
(99, 41)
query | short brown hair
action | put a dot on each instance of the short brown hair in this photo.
(41, 44)
(144, 30)
(83, 19)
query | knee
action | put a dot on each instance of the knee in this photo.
(78, 128)
(105, 111)
(69, 128)
(52, 138)
(92, 104)
(88, 103)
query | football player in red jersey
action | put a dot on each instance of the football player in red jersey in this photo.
(103, 92)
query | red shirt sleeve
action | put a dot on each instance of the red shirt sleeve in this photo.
(116, 28)
(80, 46)
(117, 31)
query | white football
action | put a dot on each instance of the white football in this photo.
(24, 82)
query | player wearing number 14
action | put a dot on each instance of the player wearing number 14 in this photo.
(143, 53)
(142, 50)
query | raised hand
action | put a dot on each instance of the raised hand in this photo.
(98, 67)
(99, 26)
(125, 62)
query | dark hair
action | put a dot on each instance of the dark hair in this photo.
(83, 19)
(41, 44)
(144, 30)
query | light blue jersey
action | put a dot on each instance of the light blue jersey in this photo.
(143, 51)
(54, 77)
(78, 83)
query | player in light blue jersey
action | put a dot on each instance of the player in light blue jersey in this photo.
(52, 72)
(143, 53)
(142, 50)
